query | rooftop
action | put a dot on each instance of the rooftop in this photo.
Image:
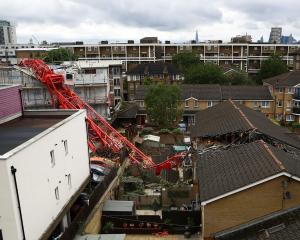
(224, 171)
(20, 130)
(118, 206)
(215, 92)
(289, 79)
(229, 117)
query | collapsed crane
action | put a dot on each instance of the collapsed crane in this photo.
(100, 132)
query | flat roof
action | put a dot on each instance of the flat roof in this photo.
(18, 131)
(118, 206)
(31, 124)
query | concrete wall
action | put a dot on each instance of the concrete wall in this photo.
(247, 205)
(37, 178)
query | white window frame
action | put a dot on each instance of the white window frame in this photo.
(186, 103)
(265, 104)
(56, 193)
(196, 104)
(279, 105)
(66, 147)
(52, 156)
(210, 103)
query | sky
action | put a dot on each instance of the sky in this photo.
(176, 20)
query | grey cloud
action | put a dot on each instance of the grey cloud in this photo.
(156, 14)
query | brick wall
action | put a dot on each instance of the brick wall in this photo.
(249, 204)
(10, 102)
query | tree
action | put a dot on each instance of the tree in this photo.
(239, 78)
(59, 55)
(162, 105)
(272, 67)
(184, 60)
(207, 73)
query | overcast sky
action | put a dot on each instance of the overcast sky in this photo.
(175, 20)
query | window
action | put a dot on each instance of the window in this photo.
(279, 103)
(289, 104)
(210, 104)
(255, 104)
(265, 104)
(186, 103)
(291, 90)
(142, 104)
(117, 92)
(196, 105)
(117, 82)
(1, 236)
(52, 158)
(280, 90)
(56, 193)
(278, 117)
(69, 180)
(66, 147)
(289, 118)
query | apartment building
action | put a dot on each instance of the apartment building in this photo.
(44, 165)
(7, 33)
(155, 72)
(196, 97)
(243, 56)
(99, 83)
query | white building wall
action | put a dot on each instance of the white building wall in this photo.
(37, 178)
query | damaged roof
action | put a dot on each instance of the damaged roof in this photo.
(230, 117)
(223, 171)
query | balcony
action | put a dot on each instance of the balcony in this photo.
(296, 110)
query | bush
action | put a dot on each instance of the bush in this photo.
(295, 125)
(176, 131)
(164, 131)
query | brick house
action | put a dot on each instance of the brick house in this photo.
(243, 183)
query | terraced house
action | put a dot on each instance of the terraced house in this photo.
(202, 96)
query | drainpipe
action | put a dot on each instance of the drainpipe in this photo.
(13, 171)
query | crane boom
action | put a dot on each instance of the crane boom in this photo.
(100, 132)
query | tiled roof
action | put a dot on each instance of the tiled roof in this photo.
(278, 226)
(288, 79)
(246, 93)
(229, 117)
(153, 68)
(223, 171)
(129, 111)
(201, 91)
(215, 92)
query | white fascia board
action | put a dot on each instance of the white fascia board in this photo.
(250, 186)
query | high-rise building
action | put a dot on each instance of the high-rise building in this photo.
(7, 33)
(288, 39)
(197, 37)
(275, 35)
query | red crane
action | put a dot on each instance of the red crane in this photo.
(100, 132)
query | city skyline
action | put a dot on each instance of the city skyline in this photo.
(92, 21)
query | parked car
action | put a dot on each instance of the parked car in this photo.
(98, 172)
(182, 126)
